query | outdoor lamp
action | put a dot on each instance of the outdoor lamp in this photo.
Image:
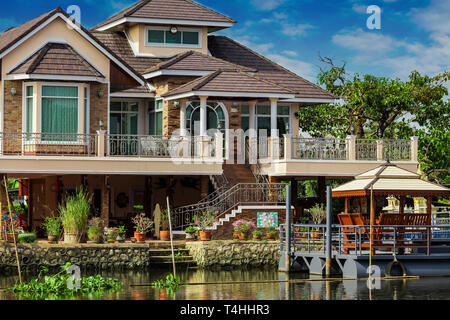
(234, 107)
(13, 91)
(100, 93)
(173, 30)
(101, 124)
(297, 116)
(176, 104)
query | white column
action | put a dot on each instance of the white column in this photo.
(183, 118)
(273, 117)
(203, 116)
(252, 119)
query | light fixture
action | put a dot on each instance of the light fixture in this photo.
(234, 107)
(100, 93)
(297, 116)
(13, 91)
(100, 122)
(176, 104)
(173, 30)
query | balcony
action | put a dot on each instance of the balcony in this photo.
(334, 157)
(104, 153)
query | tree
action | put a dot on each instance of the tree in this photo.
(373, 104)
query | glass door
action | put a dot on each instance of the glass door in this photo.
(124, 128)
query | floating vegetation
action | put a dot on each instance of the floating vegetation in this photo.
(64, 285)
(170, 284)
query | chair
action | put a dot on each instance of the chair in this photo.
(354, 238)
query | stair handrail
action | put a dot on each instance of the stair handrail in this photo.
(255, 168)
(241, 193)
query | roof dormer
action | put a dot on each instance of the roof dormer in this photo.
(163, 28)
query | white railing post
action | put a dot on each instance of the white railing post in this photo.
(380, 150)
(351, 148)
(219, 146)
(414, 148)
(274, 148)
(287, 147)
(101, 142)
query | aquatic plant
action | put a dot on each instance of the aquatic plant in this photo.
(56, 286)
(170, 284)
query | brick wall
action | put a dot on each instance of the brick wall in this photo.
(13, 107)
(226, 231)
(99, 107)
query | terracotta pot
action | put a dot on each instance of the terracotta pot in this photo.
(205, 235)
(164, 235)
(10, 237)
(235, 235)
(140, 237)
(256, 237)
(242, 236)
(271, 236)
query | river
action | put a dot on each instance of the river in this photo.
(434, 288)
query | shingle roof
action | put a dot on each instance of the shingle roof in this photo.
(118, 43)
(230, 81)
(227, 49)
(11, 36)
(168, 9)
(193, 60)
(57, 59)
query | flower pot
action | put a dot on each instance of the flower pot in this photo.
(140, 237)
(242, 236)
(271, 236)
(133, 240)
(190, 236)
(164, 235)
(256, 237)
(10, 237)
(235, 235)
(205, 235)
(71, 238)
(52, 238)
(121, 238)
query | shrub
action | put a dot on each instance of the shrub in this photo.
(74, 213)
(205, 220)
(190, 229)
(257, 233)
(52, 225)
(28, 237)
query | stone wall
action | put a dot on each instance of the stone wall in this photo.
(234, 253)
(87, 257)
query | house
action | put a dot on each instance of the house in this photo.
(147, 104)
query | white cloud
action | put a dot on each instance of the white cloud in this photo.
(359, 8)
(364, 41)
(267, 5)
(302, 68)
(295, 30)
(435, 18)
(290, 53)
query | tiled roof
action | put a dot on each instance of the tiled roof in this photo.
(193, 60)
(131, 90)
(57, 59)
(118, 43)
(11, 36)
(230, 81)
(168, 9)
(227, 49)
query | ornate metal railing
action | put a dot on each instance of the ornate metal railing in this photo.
(366, 149)
(397, 150)
(319, 149)
(240, 194)
(47, 144)
(160, 146)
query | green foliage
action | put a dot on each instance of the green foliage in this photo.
(122, 229)
(94, 232)
(28, 237)
(75, 211)
(170, 283)
(52, 225)
(55, 287)
(21, 209)
(257, 232)
(190, 229)
(142, 223)
(164, 220)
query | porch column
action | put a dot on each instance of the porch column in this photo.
(273, 117)
(252, 119)
(104, 214)
(322, 190)
(183, 118)
(203, 116)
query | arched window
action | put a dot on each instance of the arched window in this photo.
(215, 117)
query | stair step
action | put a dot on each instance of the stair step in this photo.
(168, 259)
(166, 252)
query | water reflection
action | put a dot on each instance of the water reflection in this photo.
(423, 288)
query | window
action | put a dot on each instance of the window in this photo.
(29, 109)
(156, 117)
(164, 37)
(283, 119)
(59, 109)
(124, 118)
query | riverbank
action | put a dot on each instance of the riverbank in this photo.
(138, 256)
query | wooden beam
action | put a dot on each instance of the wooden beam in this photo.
(346, 205)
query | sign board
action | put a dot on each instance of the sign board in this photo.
(267, 220)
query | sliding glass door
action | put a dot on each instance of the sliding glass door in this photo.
(124, 128)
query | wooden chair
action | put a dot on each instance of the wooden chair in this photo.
(352, 236)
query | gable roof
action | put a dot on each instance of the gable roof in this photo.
(57, 59)
(227, 49)
(230, 83)
(184, 11)
(15, 36)
(196, 61)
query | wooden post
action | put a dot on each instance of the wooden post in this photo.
(429, 208)
(401, 208)
(294, 196)
(322, 191)
(346, 205)
(105, 201)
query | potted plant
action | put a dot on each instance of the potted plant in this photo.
(143, 225)
(244, 227)
(302, 231)
(164, 233)
(318, 215)
(204, 223)
(257, 235)
(112, 234)
(271, 234)
(122, 231)
(190, 233)
(74, 215)
(53, 227)
(95, 230)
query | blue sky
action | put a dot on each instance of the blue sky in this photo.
(414, 34)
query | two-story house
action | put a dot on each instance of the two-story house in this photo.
(146, 105)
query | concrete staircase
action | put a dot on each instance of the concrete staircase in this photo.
(238, 173)
(161, 254)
